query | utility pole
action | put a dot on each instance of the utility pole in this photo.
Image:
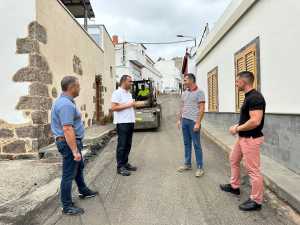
(123, 55)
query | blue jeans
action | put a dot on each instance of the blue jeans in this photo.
(189, 137)
(70, 170)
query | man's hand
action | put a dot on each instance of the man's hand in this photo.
(131, 104)
(178, 124)
(233, 129)
(117, 107)
(139, 104)
(197, 127)
(77, 156)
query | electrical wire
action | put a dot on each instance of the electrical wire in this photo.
(158, 43)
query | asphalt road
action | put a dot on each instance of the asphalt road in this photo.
(157, 194)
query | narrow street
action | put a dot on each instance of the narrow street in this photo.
(157, 194)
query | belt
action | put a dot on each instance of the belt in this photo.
(62, 138)
(254, 137)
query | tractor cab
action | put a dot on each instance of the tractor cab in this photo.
(143, 90)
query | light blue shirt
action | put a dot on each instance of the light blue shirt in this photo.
(64, 112)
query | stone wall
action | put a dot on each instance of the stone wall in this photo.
(56, 45)
(282, 136)
(71, 51)
(24, 140)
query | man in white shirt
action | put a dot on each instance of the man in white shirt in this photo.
(124, 117)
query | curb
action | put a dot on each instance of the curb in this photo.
(24, 209)
(281, 207)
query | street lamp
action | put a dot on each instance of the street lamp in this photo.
(185, 36)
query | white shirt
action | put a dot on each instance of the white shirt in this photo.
(121, 96)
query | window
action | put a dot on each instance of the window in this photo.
(212, 84)
(247, 59)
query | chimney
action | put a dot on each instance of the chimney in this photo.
(115, 39)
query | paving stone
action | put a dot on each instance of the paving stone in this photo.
(38, 32)
(17, 146)
(34, 103)
(27, 45)
(31, 74)
(38, 89)
(39, 61)
(39, 117)
(6, 133)
(27, 132)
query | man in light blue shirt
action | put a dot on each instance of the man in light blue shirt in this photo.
(66, 113)
(68, 130)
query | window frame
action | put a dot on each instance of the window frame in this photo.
(214, 71)
(237, 55)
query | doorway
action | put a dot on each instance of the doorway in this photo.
(98, 82)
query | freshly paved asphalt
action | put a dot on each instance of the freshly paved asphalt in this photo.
(157, 194)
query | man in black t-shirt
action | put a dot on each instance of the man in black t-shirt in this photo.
(249, 130)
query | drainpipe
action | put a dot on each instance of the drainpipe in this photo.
(86, 15)
(85, 18)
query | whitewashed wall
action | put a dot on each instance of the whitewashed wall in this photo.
(169, 73)
(149, 72)
(14, 22)
(277, 25)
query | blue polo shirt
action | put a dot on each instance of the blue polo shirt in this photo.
(64, 112)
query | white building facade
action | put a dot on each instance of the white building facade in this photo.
(132, 59)
(171, 75)
(260, 36)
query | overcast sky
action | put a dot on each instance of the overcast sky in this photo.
(158, 21)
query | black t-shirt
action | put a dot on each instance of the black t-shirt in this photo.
(253, 101)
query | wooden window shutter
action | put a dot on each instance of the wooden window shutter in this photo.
(212, 81)
(245, 60)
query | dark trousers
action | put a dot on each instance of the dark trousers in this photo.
(70, 170)
(125, 133)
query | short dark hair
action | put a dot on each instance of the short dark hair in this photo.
(191, 77)
(247, 76)
(124, 78)
(67, 81)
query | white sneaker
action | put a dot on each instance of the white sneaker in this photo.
(199, 173)
(184, 168)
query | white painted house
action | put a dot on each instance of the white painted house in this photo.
(171, 74)
(270, 31)
(132, 59)
(261, 36)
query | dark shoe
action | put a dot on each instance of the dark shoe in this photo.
(229, 188)
(73, 211)
(88, 193)
(123, 171)
(130, 167)
(250, 205)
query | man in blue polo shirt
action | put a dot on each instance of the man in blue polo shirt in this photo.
(68, 130)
